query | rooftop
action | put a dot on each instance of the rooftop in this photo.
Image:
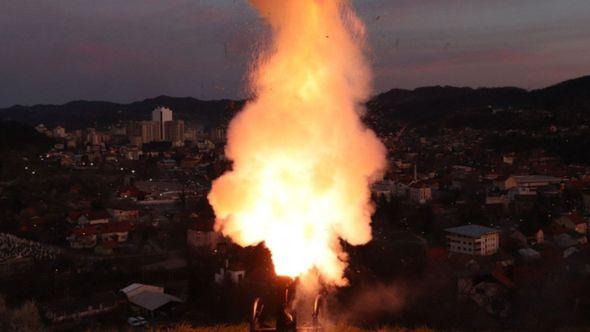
(535, 178)
(575, 218)
(152, 300)
(112, 227)
(471, 230)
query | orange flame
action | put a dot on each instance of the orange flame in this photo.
(302, 159)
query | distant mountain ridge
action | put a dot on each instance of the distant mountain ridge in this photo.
(418, 105)
(431, 103)
(96, 113)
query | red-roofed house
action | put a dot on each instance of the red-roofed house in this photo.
(73, 216)
(117, 232)
(88, 235)
(89, 217)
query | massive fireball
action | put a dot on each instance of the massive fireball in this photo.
(302, 159)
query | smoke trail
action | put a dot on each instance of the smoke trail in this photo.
(302, 159)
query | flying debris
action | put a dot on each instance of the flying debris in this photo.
(303, 161)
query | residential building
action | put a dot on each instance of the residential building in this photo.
(83, 238)
(115, 232)
(89, 217)
(124, 214)
(132, 152)
(529, 254)
(233, 273)
(420, 193)
(530, 182)
(174, 131)
(573, 222)
(205, 145)
(133, 131)
(94, 138)
(496, 198)
(190, 134)
(218, 134)
(160, 189)
(509, 158)
(473, 240)
(150, 131)
(202, 238)
(148, 299)
(566, 240)
(88, 236)
(383, 189)
(136, 141)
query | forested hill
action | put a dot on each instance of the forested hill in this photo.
(417, 106)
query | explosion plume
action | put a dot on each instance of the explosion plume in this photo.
(302, 159)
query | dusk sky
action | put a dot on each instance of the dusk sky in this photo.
(58, 51)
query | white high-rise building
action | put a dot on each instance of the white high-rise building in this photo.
(162, 115)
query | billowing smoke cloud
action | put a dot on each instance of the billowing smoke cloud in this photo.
(302, 159)
(373, 301)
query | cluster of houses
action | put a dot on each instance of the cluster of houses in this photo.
(507, 219)
(489, 263)
(106, 228)
(202, 238)
(500, 191)
(87, 148)
(444, 173)
(566, 232)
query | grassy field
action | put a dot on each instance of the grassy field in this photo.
(328, 328)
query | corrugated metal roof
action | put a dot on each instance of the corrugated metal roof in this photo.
(152, 300)
(131, 288)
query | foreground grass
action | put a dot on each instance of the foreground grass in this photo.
(218, 328)
(327, 328)
(331, 328)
